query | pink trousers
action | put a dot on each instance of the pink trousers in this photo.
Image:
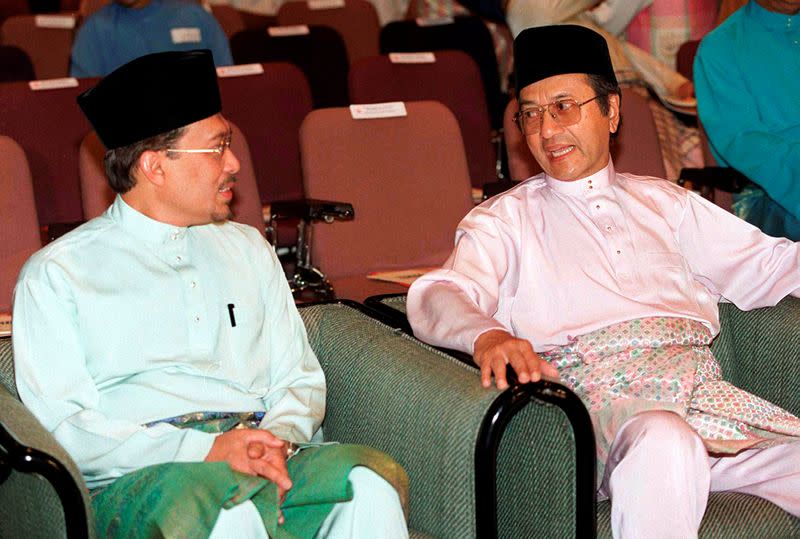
(658, 476)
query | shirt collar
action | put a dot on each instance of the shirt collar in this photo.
(770, 19)
(141, 226)
(138, 13)
(585, 186)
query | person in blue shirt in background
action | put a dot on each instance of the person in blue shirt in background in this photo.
(747, 81)
(127, 29)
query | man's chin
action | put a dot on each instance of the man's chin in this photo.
(222, 216)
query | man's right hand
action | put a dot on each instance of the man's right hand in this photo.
(497, 348)
(254, 452)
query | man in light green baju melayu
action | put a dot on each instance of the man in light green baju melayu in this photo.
(159, 342)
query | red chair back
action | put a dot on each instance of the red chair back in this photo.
(407, 179)
(47, 45)
(356, 21)
(269, 109)
(18, 222)
(49, 126)
(377, 79)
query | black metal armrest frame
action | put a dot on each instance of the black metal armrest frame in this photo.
(311, 209)
(498, 418)
(21, 458)
(306, 277)
(386, 314)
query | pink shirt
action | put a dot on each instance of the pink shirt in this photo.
(549, 260)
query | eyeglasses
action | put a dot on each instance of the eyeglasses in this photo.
(224, 144)
(564, 111)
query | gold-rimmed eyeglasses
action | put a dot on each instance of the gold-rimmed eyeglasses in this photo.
(224, 144)
(565, 112)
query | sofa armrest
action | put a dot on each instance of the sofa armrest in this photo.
(43, 493)
(759, 350)
(428, 410)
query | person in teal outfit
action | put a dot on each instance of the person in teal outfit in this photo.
(160, 345)
(747, 81)
(127, 29)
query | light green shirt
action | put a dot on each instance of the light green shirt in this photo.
(126, 320)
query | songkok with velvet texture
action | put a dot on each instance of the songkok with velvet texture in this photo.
(152, 95)
(546, 51)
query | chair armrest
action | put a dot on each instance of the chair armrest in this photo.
(30, 507)
(758, 351)
(310, 209)
(392, 309)
(428, 410)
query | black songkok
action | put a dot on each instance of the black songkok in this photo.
(546, 51)
(152, 95)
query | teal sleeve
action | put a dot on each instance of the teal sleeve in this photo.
(738, 136)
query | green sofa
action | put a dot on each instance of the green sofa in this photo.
(758, 351)
(481, 463)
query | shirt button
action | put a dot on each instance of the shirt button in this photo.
(619, 252)
(178, 258)
(597, 207)
(196, 319)
(609, 228)
(193, 284)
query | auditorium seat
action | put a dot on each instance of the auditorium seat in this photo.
(9, 8)
(408, 181)
(229, 18)
(355, 20)
(318, 51)
(269, 107)
(49, 126)
(18, 222)
(46, 39)
(97, 196)
(465, 33)
(636, 149)
(452, 79)
(15, 64)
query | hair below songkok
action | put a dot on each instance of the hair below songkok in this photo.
(546, 51)
(152, 95)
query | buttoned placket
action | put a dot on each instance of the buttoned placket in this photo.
(608, 218)
(178, 257)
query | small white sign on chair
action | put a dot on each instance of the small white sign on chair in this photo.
(392, 109)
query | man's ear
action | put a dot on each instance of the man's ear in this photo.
(150, 166)
(613, 112)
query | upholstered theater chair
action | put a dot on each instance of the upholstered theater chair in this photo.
(19, 226)
(407, 180)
